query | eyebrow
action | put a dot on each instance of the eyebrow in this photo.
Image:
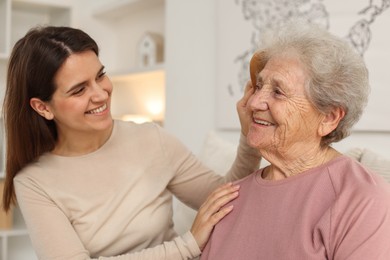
(82, 83)
(272, 81)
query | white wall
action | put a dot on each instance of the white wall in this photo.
(118, 35)
(190, 70)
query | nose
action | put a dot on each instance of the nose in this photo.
(259, 99)
(100, 92)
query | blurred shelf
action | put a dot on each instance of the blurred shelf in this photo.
(118, 8)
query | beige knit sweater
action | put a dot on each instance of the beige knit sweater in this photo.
(117, 201)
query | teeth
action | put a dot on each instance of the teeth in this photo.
(97, 110)
(261, 122)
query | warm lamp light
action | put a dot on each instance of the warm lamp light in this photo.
(155, 107)
(138, 119)
(139, 97)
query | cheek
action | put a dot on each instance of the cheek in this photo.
(293, 115)
(68, 108)
(65, 107)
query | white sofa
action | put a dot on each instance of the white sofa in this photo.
(219, 154)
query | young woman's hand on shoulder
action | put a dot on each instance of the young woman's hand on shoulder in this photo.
(212, 211)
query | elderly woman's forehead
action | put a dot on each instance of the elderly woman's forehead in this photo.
(261, 59)
(283, 68)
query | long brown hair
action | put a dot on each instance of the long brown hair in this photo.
(34, 61)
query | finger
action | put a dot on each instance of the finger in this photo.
(214, 205)
(220, 214)
(247, 94)
(249, 90)
(217, 204)
(219, 192)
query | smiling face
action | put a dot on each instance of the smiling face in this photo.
(284, 121)
(81, 102)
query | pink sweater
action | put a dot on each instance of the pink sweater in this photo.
(339, 210)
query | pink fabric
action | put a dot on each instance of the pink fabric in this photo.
(339, 210)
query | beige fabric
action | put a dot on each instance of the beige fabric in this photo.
(355, 153)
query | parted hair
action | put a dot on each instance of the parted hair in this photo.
(338, 76)
(33, 64)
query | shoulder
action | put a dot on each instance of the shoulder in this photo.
(249, 179)
(135, 134)
(31, 175)
(124, 128)
(140, 131)
(148, 138)
(347, 171)
(353, 180)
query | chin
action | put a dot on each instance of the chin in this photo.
(252, 139)
(258, 141)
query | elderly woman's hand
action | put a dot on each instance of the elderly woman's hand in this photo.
(212, 211)
(243, 113)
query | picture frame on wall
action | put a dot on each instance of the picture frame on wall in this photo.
(241, 24)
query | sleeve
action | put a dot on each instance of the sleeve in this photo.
(53, 236)
(363, 230)
(192, 181)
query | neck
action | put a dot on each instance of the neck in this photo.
(81, 143)
(283, 166)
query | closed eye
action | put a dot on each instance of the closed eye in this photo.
(278, 91)
(101, 73)
(78, 91)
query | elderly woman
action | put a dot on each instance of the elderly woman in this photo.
(311, 202)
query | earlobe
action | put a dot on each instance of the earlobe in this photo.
(331, 121)
(41, 108)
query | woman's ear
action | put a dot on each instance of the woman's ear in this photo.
(331, 120)
(41, 108)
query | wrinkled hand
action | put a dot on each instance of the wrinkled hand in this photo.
(243, 112)
(212, 211)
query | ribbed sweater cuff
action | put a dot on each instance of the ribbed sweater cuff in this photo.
(191, 244)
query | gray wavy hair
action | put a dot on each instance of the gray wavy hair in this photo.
(338, 76)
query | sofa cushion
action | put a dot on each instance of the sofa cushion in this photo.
(217, 153)
(376, 163)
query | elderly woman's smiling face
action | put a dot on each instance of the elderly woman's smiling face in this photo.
(284, 120)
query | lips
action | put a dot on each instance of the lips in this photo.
(97, 110)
